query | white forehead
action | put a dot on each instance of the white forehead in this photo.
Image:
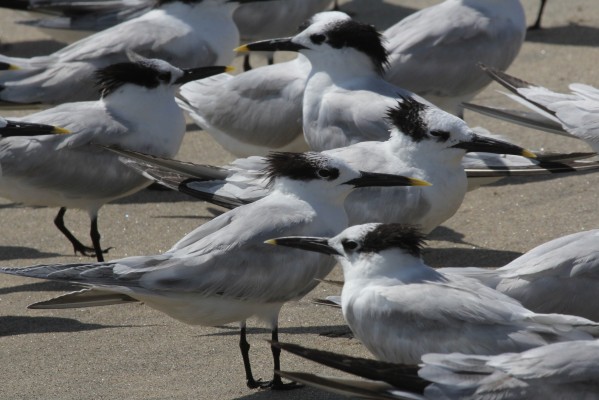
(437, 119)
(357, 232)
(319, 22)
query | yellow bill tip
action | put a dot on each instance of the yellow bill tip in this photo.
(12, 67)
(229, 68)
(271, 241)
(419, 182)
(241, 49)
(528, 154)
(60, 131)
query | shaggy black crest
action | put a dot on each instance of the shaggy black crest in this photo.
(363, 37)
(298, 166)
(407, 117)
(386, 236)
(114, 76)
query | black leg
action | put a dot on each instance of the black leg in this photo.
(537, 24)
(336, 6)
(244, 346)
(277, 383)
(271, 59)
(246, 63)
(78, 247)
(95, 235)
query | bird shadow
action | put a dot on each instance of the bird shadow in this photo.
(30, 48)
(301, 393)
(573, 35)
(294, 330)
(45, 286)
(18, 252)
(20, 325)
(448, 235)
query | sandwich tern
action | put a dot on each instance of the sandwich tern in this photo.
(188, 34)
(559, 370)
(137, 111)
(401, 309)
(425, 142)
(222, 271)
(575, 114)
(555, 277)
(254, 112)
(434, 52)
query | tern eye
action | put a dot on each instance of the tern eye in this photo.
(328, 174)
(318, 38)
(165, 76)
(441, 136)
(349, 245)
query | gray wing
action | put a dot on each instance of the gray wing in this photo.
(262, 107)
(148, 36)
(560, 370)
(436, 51)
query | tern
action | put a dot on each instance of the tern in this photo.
(425, 142)
(560, 370)
(222, 271)
(188, 34)
(435, 51)
(137, 111)
(401, 309)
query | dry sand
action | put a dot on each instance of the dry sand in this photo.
(134, 352)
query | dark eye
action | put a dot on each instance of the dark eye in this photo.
(349, 245)
(324, 173)
(165, 76)
(317, 38)
(441, 136)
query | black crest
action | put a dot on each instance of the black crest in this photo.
(386, 236)
(363, 37)
(298, 166)
(114, 76)
(407, 117)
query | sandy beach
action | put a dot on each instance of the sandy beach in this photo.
(134, 352)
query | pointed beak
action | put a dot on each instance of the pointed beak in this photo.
(284, 44)
(368, 179)
(315, 244)
(17, 128)
(10, 67)
(194, 74)
(489, 145)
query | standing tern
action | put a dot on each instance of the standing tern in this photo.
(575, 114)
(346, 97)
(185, 33)
(222, 271)
(565, 370)
(401, 309)
(434, 52)
(22, 128)
(425, 142)
(137, 111)
(254, 112)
